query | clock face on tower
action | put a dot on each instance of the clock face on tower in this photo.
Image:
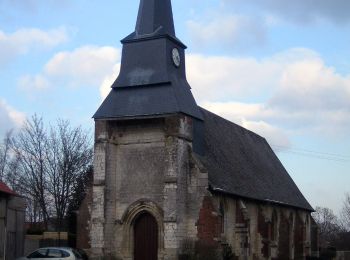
(176, 57)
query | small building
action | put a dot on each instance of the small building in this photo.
(172, 179)
(12, 218)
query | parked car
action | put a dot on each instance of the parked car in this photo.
(58, 253)
(82, 253)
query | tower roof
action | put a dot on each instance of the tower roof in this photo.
(152, 79)
(155, 17)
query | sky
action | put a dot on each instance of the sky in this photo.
(279, 68)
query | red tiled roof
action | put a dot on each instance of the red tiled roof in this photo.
(5, 189)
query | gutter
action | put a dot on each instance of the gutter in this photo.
(220, 190)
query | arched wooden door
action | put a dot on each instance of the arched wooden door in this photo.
(145, 237)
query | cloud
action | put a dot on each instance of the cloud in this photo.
(107, 82)
(36, 82)
(228, 31)
(83, 67)
(9, 117)
(310, 84)
(30, 6)
(254, 117)
(288, 93)
(220, 77)
(300, 11)
(25, 40)
(275, 136)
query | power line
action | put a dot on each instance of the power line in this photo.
(307, 153)
(311, 151)
(318, 157)
(315, 154)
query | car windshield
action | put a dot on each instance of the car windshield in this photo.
(54, 253)
(40, 253)
(77, 254)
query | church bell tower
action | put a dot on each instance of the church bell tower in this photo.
(144, 196)
(152, 79)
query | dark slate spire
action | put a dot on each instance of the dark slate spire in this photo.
(155, 17)
(152, 79)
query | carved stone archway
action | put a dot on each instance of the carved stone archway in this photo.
(145, 237)
(128, 220)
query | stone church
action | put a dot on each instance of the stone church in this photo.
(173, 180)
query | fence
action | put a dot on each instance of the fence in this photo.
(48, 239)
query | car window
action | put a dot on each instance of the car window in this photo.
(54, 253)
(65, 254)
(76, 253)
(40, 253)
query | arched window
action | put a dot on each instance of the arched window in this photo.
(241, 219)
(222, 217)
(274, 226)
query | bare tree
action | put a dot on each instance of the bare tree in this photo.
(328, 223)
(69, 155)
(345, 213)
(34, 214)
(5, 155)
(11, 174)
(81, 189)
(46, 166)
(30, 147)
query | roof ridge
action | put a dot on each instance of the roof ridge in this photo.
(6, 189)
(233, 123)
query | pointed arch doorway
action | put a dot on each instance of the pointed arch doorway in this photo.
(145, 237)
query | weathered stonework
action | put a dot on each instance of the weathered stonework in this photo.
(145, 165)
(149, 166)
(263, 231)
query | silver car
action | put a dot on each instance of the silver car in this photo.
(59, 253)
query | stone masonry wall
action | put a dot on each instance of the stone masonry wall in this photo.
(148, 165)
(98, 189)
(255, 230)
(209, 223)
(145, 165)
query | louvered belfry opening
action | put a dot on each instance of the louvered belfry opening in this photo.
(145, 237)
